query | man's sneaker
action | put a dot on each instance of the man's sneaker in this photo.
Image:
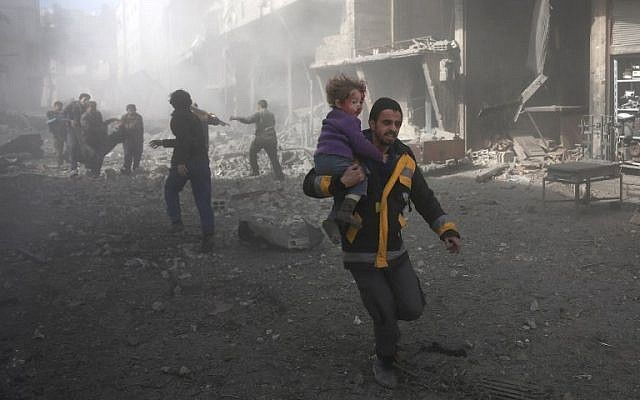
(207, 243)
(176, 227)
(73, 172)
(385, 374)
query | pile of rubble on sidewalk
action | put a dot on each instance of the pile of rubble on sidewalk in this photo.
(527, 156)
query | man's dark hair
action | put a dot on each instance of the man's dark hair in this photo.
(263, 103)
(84, 96)
(383, 103)
(131, 107)
(180, 99)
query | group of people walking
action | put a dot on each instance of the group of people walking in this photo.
(80, 135)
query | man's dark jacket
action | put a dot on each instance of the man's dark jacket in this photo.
(380, 239)
(265, 123)
(190, 144)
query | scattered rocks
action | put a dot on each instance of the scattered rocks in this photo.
(157, 306)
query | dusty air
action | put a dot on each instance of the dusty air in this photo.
(319, 199)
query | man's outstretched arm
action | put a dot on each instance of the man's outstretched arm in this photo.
(246, 120)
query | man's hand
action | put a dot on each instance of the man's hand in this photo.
(453, 244)
(182, 170)
(155, 143)
(352, 175)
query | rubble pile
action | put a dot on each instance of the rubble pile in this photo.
(526, 152)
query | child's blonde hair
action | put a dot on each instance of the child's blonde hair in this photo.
(340, 86)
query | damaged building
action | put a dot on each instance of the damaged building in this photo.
(22, 66)
(466, 72)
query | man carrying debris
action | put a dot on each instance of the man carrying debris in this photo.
(73, 111)
(374, 253)
(189, 162)
(57, 123)
(132, 130)
(265, 139)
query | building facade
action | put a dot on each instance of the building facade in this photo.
(22, 66)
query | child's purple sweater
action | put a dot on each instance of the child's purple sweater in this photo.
(341, 135)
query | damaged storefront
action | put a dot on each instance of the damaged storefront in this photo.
(405, 50)
(536, 87)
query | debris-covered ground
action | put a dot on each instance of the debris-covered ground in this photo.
(99, 302)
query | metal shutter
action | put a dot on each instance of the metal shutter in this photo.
(626, 23)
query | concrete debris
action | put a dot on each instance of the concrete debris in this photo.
(488, 175)
(290, 233)
(28, 143)
(534, 306)
(157, 306)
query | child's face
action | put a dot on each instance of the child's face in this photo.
(352, 104)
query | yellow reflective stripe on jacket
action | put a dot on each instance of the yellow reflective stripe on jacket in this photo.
(449, 226)
(405, 162)
(406, 175)
(325, 182)
(353, 231)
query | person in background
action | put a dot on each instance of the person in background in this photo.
(58, 126)
(189, 162)
(132, 131)
(94, 133)
(265, 139)
(73, 111)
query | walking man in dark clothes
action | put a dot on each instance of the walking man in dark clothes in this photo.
(189, 162)
(73, 111)
(94, 134)
(374, 252)
(132, 128)
(265, 139)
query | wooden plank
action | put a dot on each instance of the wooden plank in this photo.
(432, 93)
(528, 92)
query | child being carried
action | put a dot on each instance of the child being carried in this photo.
(340, 143)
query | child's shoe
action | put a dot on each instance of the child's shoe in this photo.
(345, 213)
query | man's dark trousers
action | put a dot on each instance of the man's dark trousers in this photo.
(389, 294)
(200, 176)
(270, 145)
(132, 146)
(73, 139)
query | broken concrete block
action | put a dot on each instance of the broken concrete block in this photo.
(30, 143)
(291, 233)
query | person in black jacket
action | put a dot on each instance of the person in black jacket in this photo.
(189, 162)
(73, 111)
(132, 130)
(265, 139)
(374, 251)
